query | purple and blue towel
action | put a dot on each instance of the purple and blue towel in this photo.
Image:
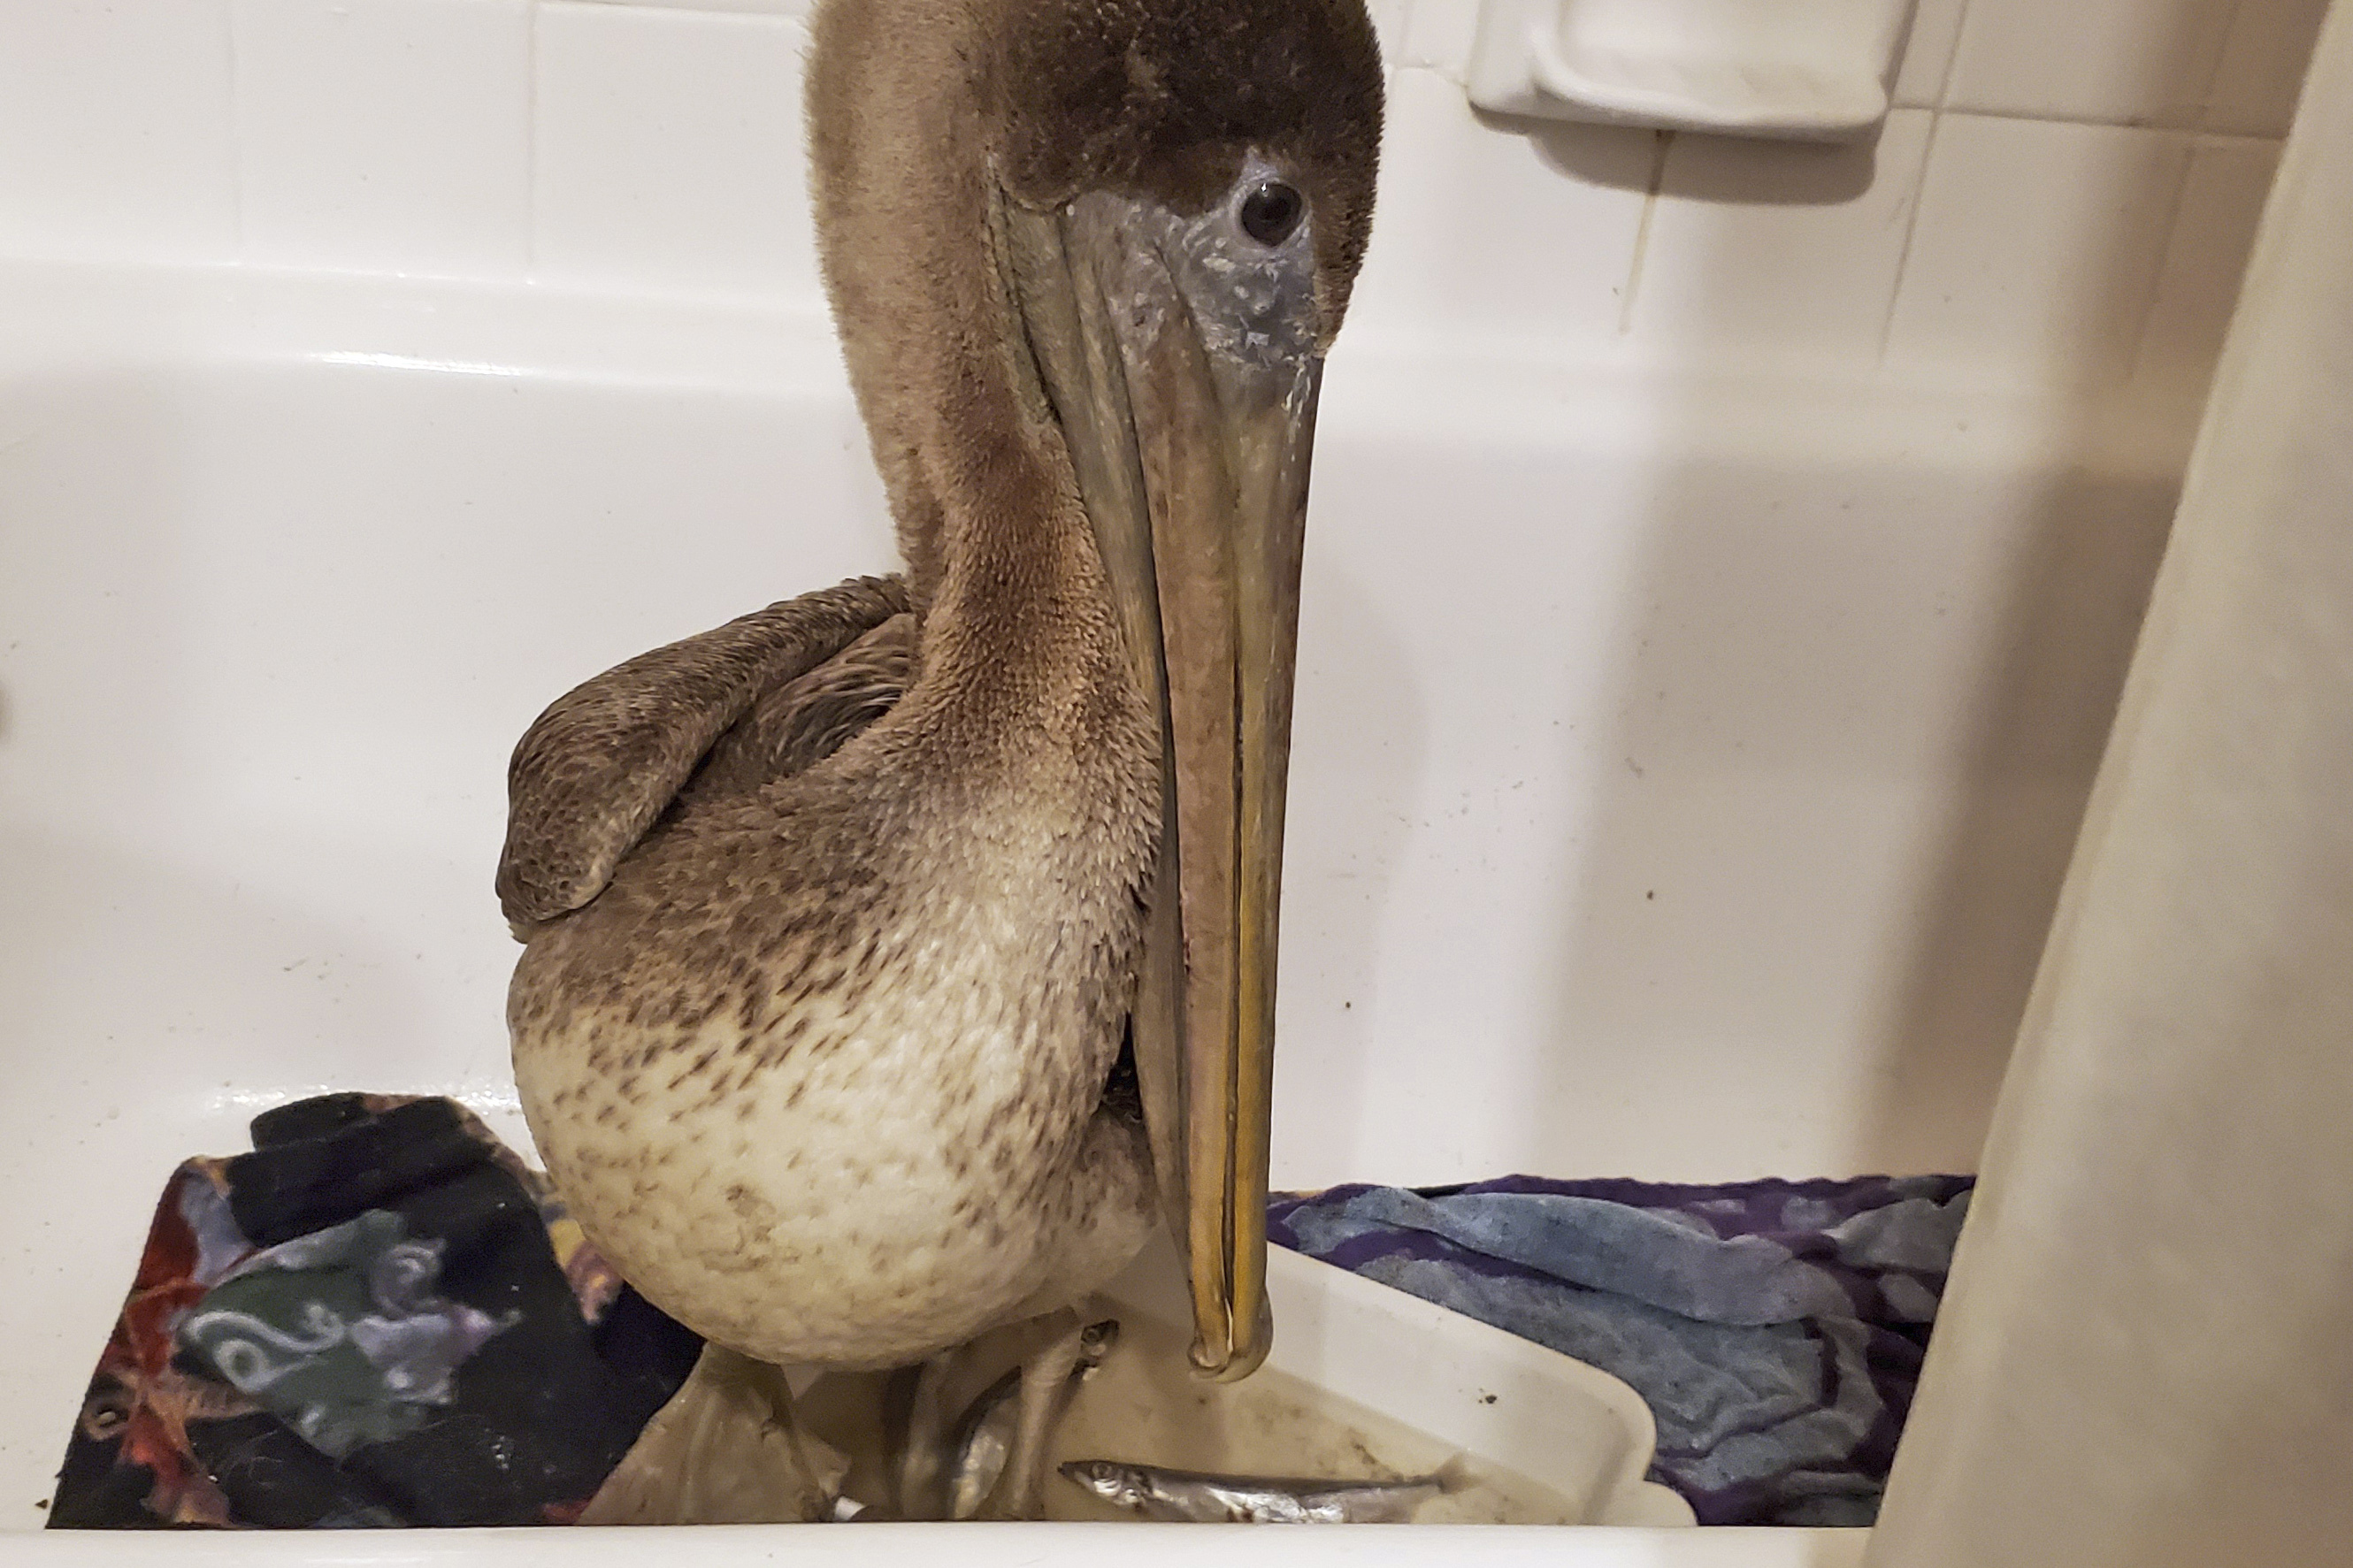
(1774, 1328)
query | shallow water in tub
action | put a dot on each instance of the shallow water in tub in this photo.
(1144, 1406)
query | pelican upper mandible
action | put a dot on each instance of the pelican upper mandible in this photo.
(837, 917)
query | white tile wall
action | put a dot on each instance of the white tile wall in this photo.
(114, 129)
(747, 8)
(2065, 191)
(1781, 252)
(384, 135)
(1514, 238)
(1388, 22)
(2263, 63)
(2220, 202)
(1437, 35)
(1928, 53)
(668, 151)
(2037, 242)
(2118, 62)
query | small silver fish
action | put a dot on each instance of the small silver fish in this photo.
(983, 1437)
(1189, 1497)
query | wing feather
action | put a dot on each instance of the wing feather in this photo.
(599, 766)
(793, 727)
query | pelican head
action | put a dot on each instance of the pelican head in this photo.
(1087, 257)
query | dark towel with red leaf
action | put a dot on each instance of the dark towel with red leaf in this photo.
(379, 1317)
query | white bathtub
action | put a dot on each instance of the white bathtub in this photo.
(1683, 772)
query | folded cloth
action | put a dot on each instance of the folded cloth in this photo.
(1774, 1328)
(379, 1317)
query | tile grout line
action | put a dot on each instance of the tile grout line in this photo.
(1662, 142)
(2135, 361)
(2086, 122)
(235, 132)
(1942, 109)
(2214, 72)
(1404, 13)
(1911, 231)
(1953, 60)
(530, 141)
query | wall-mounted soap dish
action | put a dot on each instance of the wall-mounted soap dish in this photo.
(1817, 69)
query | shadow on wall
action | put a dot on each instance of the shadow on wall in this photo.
(1853, 738)
(2037, 736)
(1812, 173)
(1857, 733)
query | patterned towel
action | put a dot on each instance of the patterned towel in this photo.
(380, 1317)
(377, 1317)
(1776, 1328)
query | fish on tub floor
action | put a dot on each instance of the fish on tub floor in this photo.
(983, 1440)
(1141, 1437)
(1189, 1497)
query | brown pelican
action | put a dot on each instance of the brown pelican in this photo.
(838, 916)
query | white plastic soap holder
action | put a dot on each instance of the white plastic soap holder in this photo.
(1809, 69)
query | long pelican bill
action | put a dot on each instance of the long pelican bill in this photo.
(1191, 444)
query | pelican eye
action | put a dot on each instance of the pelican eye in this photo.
(1271, 212)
